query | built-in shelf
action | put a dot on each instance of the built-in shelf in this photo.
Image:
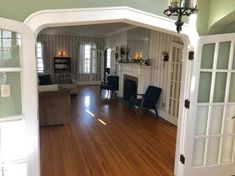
(62, 64)
(62, 69)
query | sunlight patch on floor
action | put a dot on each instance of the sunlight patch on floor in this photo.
(101, 121)
(89, 112)
(93, 115)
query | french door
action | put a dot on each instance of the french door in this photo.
(19, 136)
(210, 132)
(174, 82)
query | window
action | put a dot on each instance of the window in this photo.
(108, 61)
(89, 58)
(39, 56)
(8, 41)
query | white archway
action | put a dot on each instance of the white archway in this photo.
(64, 17)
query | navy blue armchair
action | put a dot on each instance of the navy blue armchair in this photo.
(147, 100)
(111, 85)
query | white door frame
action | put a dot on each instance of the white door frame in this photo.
(64, 17)
(29, 91)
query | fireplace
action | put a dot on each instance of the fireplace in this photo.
(130, 86)
(130, 89)
(140, 74)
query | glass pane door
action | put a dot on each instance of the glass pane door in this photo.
(12, 125)
(10, 75)
(174, 81)
(211, 126)
(213, 140)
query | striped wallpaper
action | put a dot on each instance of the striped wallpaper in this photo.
(68, 43)
(158, 43)
(138, 46)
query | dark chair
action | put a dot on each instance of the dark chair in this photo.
(147, 100)
(111, 85)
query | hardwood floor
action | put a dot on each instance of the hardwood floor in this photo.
(105, 138)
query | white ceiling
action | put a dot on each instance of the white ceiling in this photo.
(89, 30)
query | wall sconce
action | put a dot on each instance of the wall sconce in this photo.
(180, 8)
(165, 55)
(62, 54)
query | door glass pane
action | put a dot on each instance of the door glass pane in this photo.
(204, 87)
(227, 149)
(216, 119)
(10, 94)
(198, 152)
(234, 59)
(174, 54)
(13, 148)
(213, 150)
(13, 141)
(201, 120)
(10, 43)
(232, 88)
(223, 55)
(207, 56)
(229, 127)
(220, 85)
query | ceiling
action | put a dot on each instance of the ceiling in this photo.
(89, 30)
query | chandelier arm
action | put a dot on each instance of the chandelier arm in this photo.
(180, 11)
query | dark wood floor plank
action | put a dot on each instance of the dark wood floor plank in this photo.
(126, 145)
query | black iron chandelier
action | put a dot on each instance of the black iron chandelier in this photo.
(180, 8)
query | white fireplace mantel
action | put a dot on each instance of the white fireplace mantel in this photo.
(141, 72)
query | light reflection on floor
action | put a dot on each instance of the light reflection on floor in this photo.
(88, 114)
(87, 100)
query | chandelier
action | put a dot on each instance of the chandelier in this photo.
(180, 8)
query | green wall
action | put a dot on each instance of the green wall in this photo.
(203, 16)
(21, 9)
(215, 16)
(219, 9)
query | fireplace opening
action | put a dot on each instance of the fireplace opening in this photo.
(130, 89)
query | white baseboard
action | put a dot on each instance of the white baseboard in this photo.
(165, 116)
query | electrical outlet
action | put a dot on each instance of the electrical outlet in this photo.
(5, 90)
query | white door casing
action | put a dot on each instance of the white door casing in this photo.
(27, 70)
(63, 17)
(210, 126)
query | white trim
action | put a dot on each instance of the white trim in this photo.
(64, 17)
(17, 69)
(82, 16)
(29, 91)
(168, 118)
(11, 118)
